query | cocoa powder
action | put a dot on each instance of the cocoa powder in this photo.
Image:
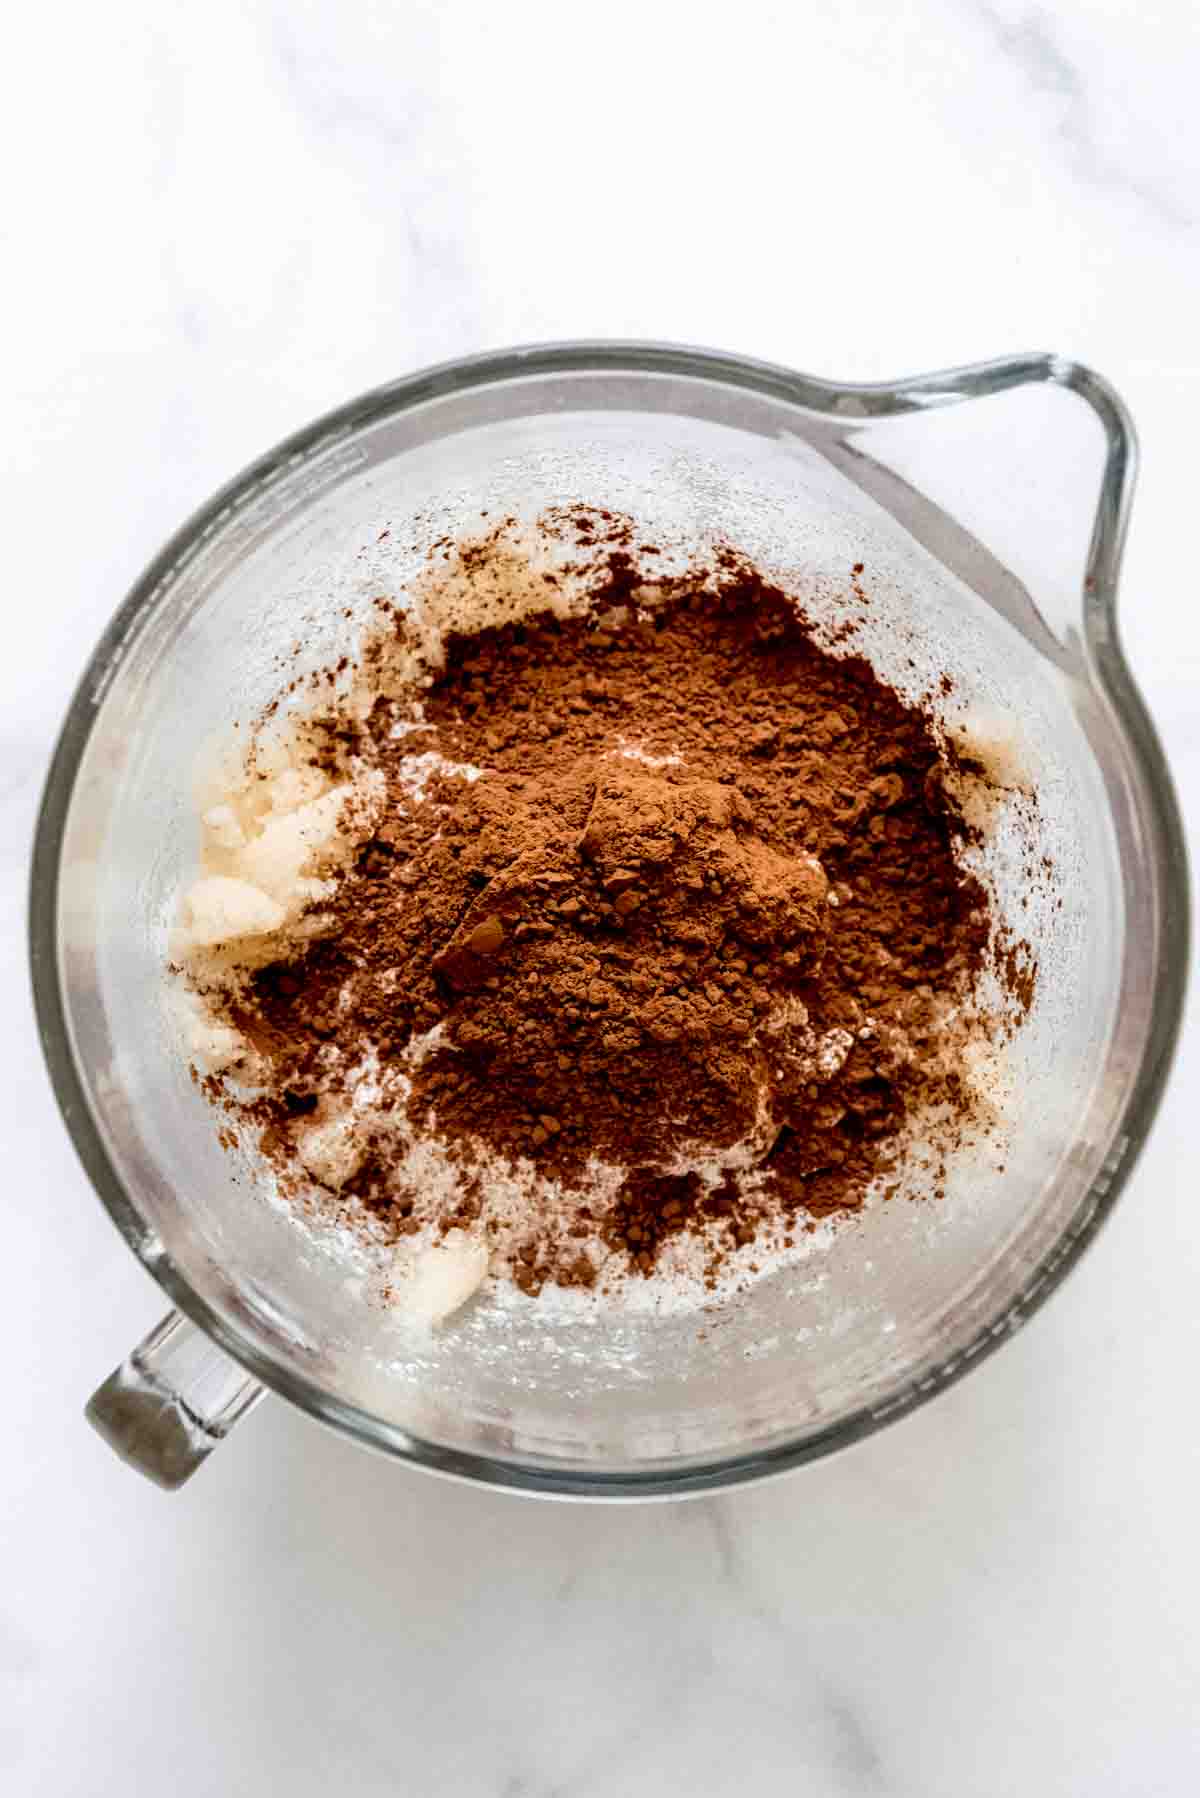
(699, 917)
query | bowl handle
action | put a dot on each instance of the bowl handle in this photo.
(1008, 500)
(171, 1402)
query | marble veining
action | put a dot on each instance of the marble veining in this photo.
(1029, 39)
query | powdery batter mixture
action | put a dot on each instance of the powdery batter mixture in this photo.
(594, 929)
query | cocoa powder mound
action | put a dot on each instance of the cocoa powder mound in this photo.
(695, 914)
(596, 991)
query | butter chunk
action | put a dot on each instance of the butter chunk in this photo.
(440, 1280)
(331, 1151)
(220, 909)
(223, 828)
(288, 840)
(209, 1042)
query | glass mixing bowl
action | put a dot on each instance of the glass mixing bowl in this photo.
(970, 498)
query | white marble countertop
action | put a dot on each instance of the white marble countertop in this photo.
(225, 221)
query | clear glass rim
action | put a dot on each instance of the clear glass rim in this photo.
(836, 401)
